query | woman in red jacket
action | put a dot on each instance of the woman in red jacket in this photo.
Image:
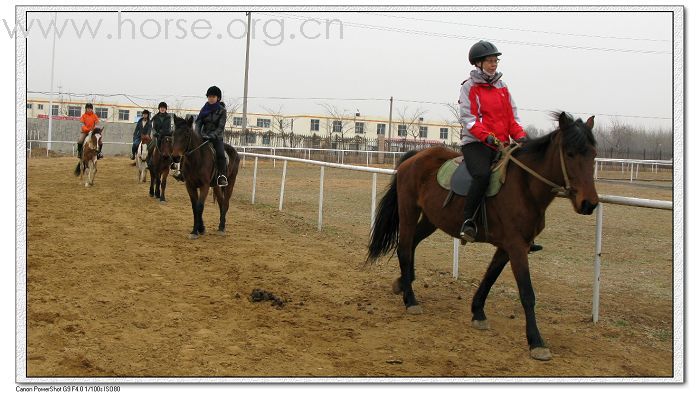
(488, 115)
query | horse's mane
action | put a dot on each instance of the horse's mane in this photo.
(577, 138)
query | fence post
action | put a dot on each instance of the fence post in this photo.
(596, 265)
(243, 164)
(455, 258)
(320, 200)
(374, 199)
(255, 178)
(284, 179)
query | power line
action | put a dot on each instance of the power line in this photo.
(340, 99)
(516, 29)
(463, 37)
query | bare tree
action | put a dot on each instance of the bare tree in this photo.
(411, 120)
(453, 123)
(339, 123)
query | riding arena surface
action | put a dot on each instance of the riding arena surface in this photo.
(116, 289)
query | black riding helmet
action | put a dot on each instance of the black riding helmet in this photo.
(481, 50)
(146, 112)
(88, 105)
(162, 104)
(214, 91)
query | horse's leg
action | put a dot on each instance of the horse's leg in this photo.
(424, 228)
(521, 270)
(224, 198)
(407, 232)
(156, 165)
(500, 258)
(154, 177)
(219, 195)
(163, 183)
(203, 192)
(192, 191)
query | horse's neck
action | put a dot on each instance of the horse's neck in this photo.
(549, 167)
(195, 154)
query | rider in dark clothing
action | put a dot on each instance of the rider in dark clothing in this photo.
(210, 125)
(143, 127)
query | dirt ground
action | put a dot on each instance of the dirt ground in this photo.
(116, 289)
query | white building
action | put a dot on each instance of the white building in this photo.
(343, 125)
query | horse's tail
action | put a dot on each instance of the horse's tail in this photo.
(76, 172)
(384, 237)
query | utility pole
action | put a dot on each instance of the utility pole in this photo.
(53, 55)
(244, 121)
(391, 111)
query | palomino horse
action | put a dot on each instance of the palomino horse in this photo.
(141, 155)
(89, 159)
(198, 167)
(161, 158)
(412, 209)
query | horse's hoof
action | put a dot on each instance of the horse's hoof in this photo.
(193, 236)
(481, 325)
(396, 286)
(161, 201)
(414, 310)
(541, 354)
(221, 233)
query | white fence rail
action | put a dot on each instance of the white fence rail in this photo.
(620, 200)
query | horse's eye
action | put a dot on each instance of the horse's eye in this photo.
(569, 154)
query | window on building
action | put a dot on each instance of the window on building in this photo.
(315, 125)
(123, 115)
(250, 138)
(74, 111)
(266, 139)
(29, 106)
(337, 127)
(39, 106)
(264, 123)
(54, 109)
(423, 132)
(101, 112)
(381, 128)
(359, 127)
(403, 132)
(237, 121)
(443, 133)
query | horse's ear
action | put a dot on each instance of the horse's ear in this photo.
(565, 120)
(589, 122)
(190, 120)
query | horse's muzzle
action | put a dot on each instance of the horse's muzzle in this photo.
(587, 207)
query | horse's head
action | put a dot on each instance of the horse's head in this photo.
(578, 152)
(166, 146)
(182, 135)
(145, 139)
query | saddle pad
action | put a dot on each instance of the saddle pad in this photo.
(453, 175)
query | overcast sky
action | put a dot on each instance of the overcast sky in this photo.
(615, 65)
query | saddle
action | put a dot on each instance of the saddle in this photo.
(454, 176)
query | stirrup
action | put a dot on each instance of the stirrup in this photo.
(99, 155)
(468, 231)
(221, 181)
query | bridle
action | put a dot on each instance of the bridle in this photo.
(557, 189)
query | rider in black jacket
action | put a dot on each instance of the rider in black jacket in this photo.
(210, 125)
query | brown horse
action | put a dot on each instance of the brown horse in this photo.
(198, 167)
(412, 209)
(159, 165)
(88, 160)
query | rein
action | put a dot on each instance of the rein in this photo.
(566, 189)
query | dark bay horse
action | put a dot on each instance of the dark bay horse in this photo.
(198, 166)
(160, 160)
(411, 210)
